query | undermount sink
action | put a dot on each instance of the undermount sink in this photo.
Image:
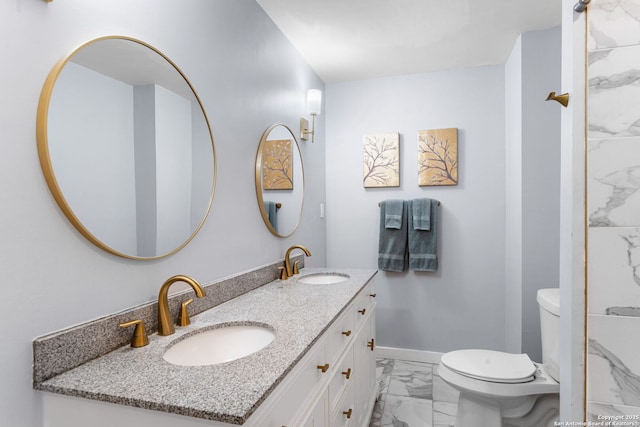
(323, 278)
(219, 345)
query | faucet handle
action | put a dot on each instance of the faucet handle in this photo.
(184, 320)
(283, 273)
(140, 338)
(296, 268)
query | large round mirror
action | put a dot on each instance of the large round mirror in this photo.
(126, 148)
(280, 180)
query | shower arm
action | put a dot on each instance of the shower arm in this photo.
(581, 5)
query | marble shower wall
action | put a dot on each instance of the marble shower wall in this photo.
(613, 185)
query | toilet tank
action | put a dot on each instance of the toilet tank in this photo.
(549, 302)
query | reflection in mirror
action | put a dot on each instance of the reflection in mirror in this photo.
(279, 180)
(126, 148)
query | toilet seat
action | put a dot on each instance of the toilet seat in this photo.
(492, 366)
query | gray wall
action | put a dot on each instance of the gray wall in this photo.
(248, 77)
(533, 184)
(499, 225)
(455, 307)
(540, 177)
(513, 194)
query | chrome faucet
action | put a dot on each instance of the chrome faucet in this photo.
(165, 323)
(287, 259)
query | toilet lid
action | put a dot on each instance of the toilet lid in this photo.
(489, 365)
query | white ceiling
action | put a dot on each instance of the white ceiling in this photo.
(359, 39)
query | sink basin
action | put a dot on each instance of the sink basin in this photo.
(219, 345)
(323, 278)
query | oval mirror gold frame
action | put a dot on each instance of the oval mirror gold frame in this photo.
(284, 182)
(150, 57)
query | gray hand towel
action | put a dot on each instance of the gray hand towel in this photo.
(392, 244)
(421, 211)
(393, 213)
(423, 244)
(272, 211)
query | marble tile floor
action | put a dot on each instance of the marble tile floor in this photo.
(412, 395)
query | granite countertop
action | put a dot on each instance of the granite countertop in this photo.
(229, 392)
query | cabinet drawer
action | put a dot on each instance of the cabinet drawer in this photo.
(340, 335)
(363, 304)
(318, 415)
(342, 377)
(303, 383)
(344, 414)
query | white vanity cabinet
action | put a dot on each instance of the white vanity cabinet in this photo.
(350, 393)
(333, 384)
(364, 356)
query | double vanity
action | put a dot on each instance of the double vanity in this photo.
(294, 352)
(257, 350)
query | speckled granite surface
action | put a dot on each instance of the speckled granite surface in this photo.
(63, 350)
(230, 392)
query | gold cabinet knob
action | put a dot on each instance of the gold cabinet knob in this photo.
(371, 344)
(140, 338)
(346, 333)
(373, 295)
(363, 311)
(347, 413)
(183, 319)
(347, 373)
(324, 367)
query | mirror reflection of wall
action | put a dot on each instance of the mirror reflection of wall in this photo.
(280, 180)
(130, 147)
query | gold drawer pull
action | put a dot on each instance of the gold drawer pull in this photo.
(371, 344)
(348, 413)
(347, 373)
(346, 333)
(363, 311)
(373, 295)
(324, 367)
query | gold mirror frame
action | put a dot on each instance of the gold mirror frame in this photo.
(258, 177)
(47, 167)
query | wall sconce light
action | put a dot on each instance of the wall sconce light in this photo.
(314, 104)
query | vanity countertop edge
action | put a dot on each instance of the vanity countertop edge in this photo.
(230, 392)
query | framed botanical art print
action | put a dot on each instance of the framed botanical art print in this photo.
(277, 165)
(438, 157)
(381, 160)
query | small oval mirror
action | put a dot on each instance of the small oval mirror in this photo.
(280, 180)
(126, 148)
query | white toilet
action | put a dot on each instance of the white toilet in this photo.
(502, 389)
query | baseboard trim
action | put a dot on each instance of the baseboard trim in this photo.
(407, 354)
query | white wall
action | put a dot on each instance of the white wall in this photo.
(572, 226)
(248, 77)
(456, 306)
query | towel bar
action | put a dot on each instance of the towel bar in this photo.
(438, 204)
